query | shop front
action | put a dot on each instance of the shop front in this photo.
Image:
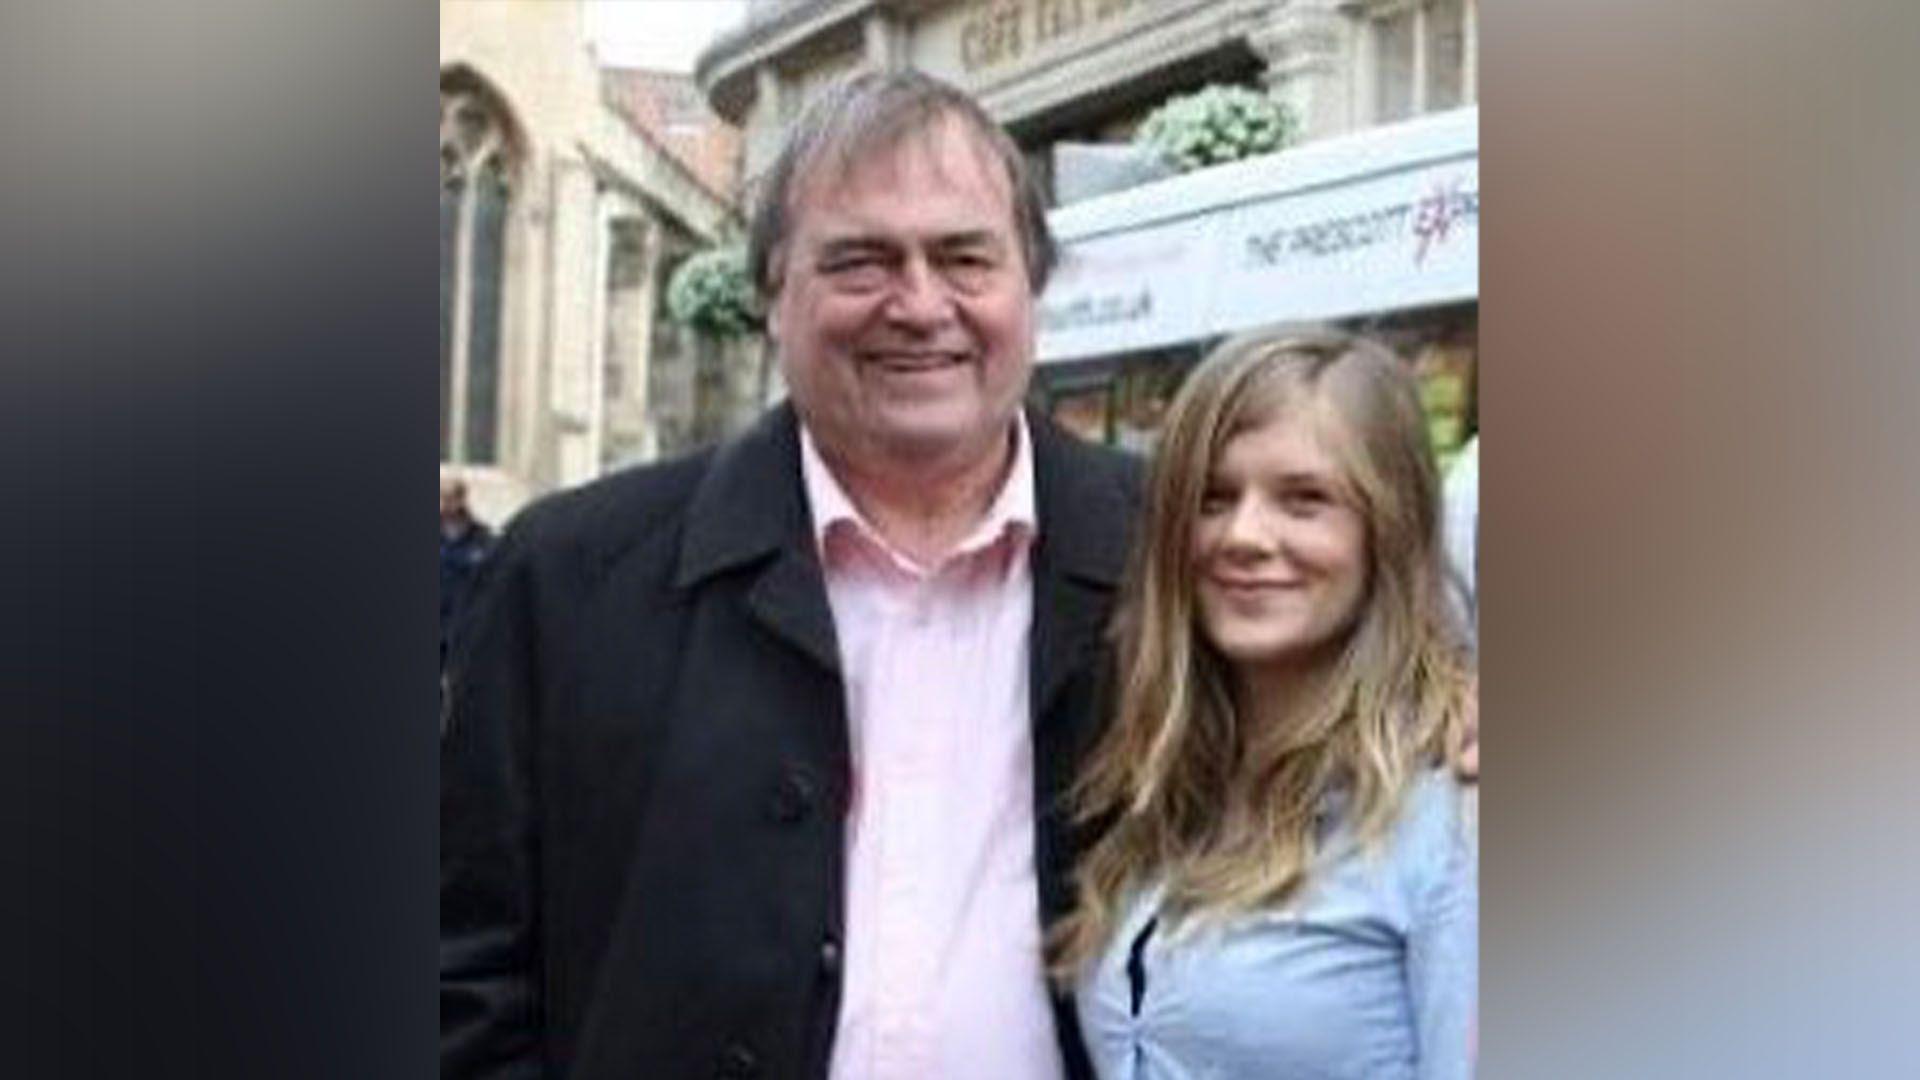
(1376, 231)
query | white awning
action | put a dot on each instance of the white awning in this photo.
(1380, 220)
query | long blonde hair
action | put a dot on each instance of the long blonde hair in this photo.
(1179, 788)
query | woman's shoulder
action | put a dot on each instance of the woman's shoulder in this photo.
(1433, 802)
(1436, 790)
(1438, 827)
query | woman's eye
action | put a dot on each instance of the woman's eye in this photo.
(1309, 500)
(1215, 502)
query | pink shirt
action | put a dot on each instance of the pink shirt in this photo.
(943, 973)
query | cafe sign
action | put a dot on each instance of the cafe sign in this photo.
(996, 33)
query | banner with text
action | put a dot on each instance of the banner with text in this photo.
(1402, 234)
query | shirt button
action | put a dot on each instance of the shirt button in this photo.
(830, 958)
(737, 1063)
(793, 797)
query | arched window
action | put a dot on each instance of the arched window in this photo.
(476, 189)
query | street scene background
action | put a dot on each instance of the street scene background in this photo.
(1212, 167)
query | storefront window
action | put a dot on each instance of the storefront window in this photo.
(1446, 391)
(1143, 393)
(1443, 347)
(1117, 401)
(1085, 412)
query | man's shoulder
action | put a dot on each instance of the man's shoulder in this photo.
(1090, 466)
(1089, 498)
(1056, 442)
(607, 516)
(1122, 468)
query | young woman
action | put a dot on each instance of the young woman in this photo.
(1282, 880)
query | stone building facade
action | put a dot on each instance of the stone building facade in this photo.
(1053, 70)
(670, 107)
(1059, 72)
(560, 216)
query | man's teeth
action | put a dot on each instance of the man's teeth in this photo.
(917, 363)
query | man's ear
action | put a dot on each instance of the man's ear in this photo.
(769, 300)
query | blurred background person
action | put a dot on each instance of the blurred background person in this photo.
(1462, 532)
(464, 543)
(1284, 876)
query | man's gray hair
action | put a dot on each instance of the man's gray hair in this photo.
(871, 112)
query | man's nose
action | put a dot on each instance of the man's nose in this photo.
(920, 296)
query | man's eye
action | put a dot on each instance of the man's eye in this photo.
(858, 271)
(969, 269)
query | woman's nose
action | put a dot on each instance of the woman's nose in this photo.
(1248, 530)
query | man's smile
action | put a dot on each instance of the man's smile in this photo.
(915, 360)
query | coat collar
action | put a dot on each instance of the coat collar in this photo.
(1085, 512)
(1084, 509)
(750, 507)
(751, 503)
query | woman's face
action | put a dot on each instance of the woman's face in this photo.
(1279, 546)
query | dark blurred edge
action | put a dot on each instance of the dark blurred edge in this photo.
(1700, 606)
(217, 301)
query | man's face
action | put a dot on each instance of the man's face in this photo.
(904, 317)
(453, 502)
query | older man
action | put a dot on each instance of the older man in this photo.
(755, 759)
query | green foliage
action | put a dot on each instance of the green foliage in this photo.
(711, 294)
(1215, 125)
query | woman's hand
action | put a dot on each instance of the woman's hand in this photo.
(1467, 765)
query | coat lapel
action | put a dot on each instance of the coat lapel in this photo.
(790, 599)
(750, 511)
(1085, 511)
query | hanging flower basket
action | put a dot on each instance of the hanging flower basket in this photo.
(1216, 125)
(711, 295)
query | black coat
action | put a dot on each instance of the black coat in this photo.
(644, 777)
(460, 559)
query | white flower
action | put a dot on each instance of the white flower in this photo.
(1216, 124)
(711, 294)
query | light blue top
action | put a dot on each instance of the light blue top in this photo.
(1371, 973)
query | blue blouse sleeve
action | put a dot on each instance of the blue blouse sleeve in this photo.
(1443, 940)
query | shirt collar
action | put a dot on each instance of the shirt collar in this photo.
(1011, 515)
